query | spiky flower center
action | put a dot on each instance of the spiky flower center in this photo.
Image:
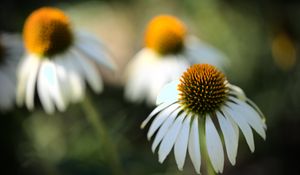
(202, 89)
(165, 34)
(47, 31)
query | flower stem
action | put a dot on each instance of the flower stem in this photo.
(109, 148)
(206, 162)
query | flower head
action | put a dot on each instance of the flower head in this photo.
(188, 110)
(47, 31)
(169, 51)
(207, 84)
(58, 61)
(165, 34)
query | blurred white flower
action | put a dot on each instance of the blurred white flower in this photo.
(10, 51)
(168, 52)
(190, 110)
(58, 61)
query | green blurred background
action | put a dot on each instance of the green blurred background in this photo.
(260, 37)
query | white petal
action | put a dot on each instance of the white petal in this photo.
(49, 75)
(92, 48)
(77, 85)
(251, 116)
(137, 83)
(166, 70)
(23, 73)
(194, 145)
(155, 84)
(160, 118)
(43, 91)
(200, 52)
(237, 91)
(135, 88)
(230, 137)
(63, 80)
(214, 145)
(147, 73)
(168, 93)
(236, 128)
(90, 71)
(31, 83)
(243, 125)
(181, 143)
(154, 112)
(170, 138)
(254, 106)
(164, 128)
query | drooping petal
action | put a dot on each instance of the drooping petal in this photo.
(168, 93)
(148, 72)
(214, 145)
(181, 143)
(90, 71)
(43, 90)
(230, 137)
(63, 80)
(164, 128)
(251, 116)
(31, 82)
(23, 74)
(163, 72)
(254, 106)
(243, 125)
(93, 48)
(200, 52)
(137, 75)
(135, 87)
(77, 85)
(170, 138)
(194, 145)
(49, 76)
(237, 91)
(159, 119)
(154, 112)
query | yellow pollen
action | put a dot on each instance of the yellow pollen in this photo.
(202, 88)
(47, 31)
(165, 34)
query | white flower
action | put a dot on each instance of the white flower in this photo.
(58, 61)
(168, 52)
(10, 51)
(187, 114)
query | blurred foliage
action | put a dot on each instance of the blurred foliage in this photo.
(261, 38)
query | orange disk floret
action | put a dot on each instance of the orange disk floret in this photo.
(47, 31)
(165, 34)
(202, 88)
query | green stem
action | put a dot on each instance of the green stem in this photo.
(205, 158)
(109, 148)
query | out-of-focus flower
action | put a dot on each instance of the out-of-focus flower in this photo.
(58, 61)
(284, 51)
(10, 51)
(168, 52)
(189, 111)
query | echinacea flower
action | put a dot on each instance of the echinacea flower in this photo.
(58, 61)
(10, 51)
(169, 51)
(191, 109)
